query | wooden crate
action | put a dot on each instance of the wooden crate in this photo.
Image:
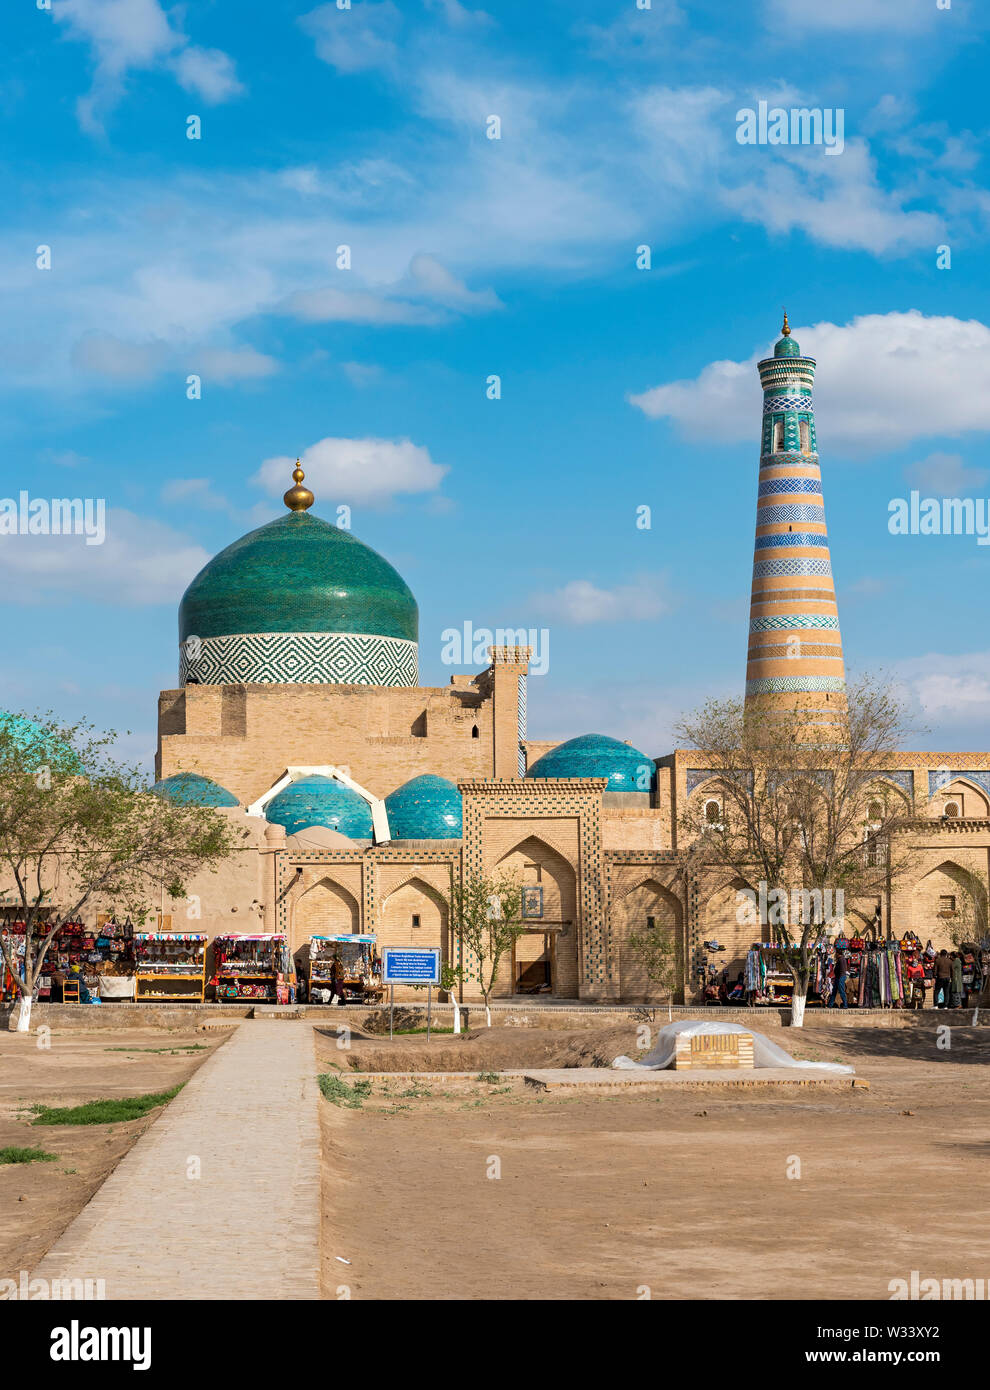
(709, 1051)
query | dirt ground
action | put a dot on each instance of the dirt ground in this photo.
(684, 1195)
(38, 1200)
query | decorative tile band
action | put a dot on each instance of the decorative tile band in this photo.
(771, 487)
(798, 685)
(773, 404)
(788, 458)
(794, 620)
(792, 538)
(790, 511)
(775, 569)
(942, 778)
(298, 658)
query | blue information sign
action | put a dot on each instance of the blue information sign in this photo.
(411, 967)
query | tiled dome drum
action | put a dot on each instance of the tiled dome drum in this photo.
(298, 601)
(598, 755)
(190, 789)
(426, 808)
(317, 800)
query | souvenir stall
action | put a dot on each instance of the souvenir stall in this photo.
(171, 965)
(360, 967)
(88, 957)
(253, 967)
(767, 977)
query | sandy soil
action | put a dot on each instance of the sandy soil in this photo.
(685, 1194)
(38, 1200)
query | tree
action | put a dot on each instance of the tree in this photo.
(657, 951)
(484, 916)
(78, 828)
(807, 815)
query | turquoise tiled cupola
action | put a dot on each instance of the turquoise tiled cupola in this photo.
(598, 755)
(298, 601)
(426, 808)
(190, 789)
(318, 800)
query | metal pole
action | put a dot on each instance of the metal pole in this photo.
(429, 1006)
(391, 1010)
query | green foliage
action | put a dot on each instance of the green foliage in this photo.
(12, 1154)
(103, 1112)
(77, 823)
(484, 938)
(338, 1092)
(657, 950)
(492, 1078)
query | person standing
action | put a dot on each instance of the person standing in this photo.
(839, 981)
(957, 980)
(916, 979)
(943, 980)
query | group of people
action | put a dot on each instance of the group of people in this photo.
(945, 970)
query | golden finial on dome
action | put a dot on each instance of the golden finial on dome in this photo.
(786, 330)
(298, 498)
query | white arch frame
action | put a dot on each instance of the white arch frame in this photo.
(379, 816)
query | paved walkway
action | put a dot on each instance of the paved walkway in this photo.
(249, 1225)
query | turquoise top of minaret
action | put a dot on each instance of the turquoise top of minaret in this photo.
(786, 346)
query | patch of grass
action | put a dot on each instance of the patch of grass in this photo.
(103, 1112)
(12, 1154)
(339, 1093)
(491, 1077)
(405, 1032)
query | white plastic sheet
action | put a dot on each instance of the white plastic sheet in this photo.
(765, 1052)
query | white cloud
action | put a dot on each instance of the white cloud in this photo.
(357, 39)
(953, 689)
(225, 365)
(111, 357)
(436, 281)
(354, 306)
(362, 373)
(355, 471)
(128, 35)
(581, 602)
(945, 475)
(883, 380)
(855, 16)
(142, 561)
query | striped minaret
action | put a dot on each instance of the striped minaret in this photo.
(795, 651)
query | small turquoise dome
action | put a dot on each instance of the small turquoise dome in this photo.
(190, 789)
(318, 800)
(598, 755)
(426, 808)
(786, 347)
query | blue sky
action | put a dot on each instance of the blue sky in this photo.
(470, 257)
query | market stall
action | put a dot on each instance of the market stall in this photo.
(170, 965)
(87, 957)
(253, 967)
(359, 967)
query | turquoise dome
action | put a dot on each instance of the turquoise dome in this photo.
(190, 789)
(786, 347)
(318, 800)
(425, 808)
(598, 755)
(298, 574)
(38, 742)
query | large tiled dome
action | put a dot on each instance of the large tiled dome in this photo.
(598, 755)
(298, 601)
(425, 808)
(317, 800)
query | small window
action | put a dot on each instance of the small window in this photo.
(415, 919)
(778, 437)
(875, 812)
(650, 923)
(951, 809)
(713, 813)
(947, 905)
(805, 436)
(474, 732)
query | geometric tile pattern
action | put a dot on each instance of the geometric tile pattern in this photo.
(789, 538)
(794, 620)
(936, 780)
(787, 685)
(774, 569)
(772, 487)
(773, 404)
(299, 658)
(791, 511)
